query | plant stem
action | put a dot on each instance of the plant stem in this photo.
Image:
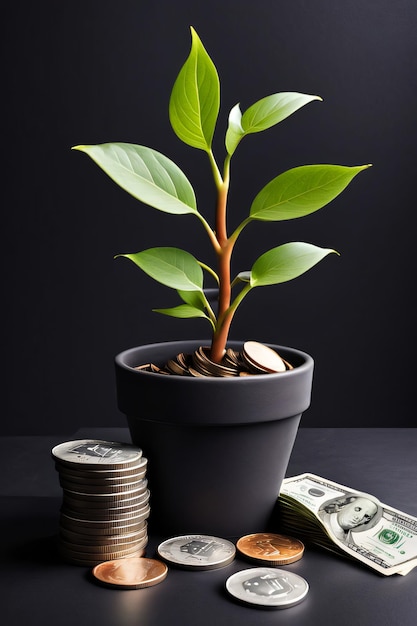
(224, 322)
(220, 335)
(211, 234)
(224, 254)
(236, 233)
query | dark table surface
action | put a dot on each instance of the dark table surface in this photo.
(37, 587)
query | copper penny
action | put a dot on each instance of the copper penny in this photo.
(133, 573)
(262, 358)
(271, 548)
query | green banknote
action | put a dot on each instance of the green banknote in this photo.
(350, 523)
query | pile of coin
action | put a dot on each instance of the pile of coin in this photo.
(105, 503)
(254, 358)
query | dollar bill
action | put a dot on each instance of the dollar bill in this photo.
(350, 523)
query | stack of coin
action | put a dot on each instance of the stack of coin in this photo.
(105, 503)
(204, 366)
(255, 358)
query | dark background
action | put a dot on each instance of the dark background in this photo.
(90, 72)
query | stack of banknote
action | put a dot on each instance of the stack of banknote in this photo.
(350, 523)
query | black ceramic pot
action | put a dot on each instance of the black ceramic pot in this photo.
(217, 448)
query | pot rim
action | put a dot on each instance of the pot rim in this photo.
(124, 359)
(210, 400)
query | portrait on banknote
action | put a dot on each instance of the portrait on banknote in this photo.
(345, 516)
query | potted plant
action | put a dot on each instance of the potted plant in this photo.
(218, 443)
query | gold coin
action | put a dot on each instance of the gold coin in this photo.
(145, 367)
(272, 548)
(174, 367)
(131, 573)
(232, 357)
(183, 360)
(262, 358)
(206, 366)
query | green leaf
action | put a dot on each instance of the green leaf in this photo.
(146, 174)
(183, 311)
(273, 109)
(195, 98)
(243, 277)
(234, 131)
(193, 298)
(172, 267)
(262, 115)
(302, 190)
(286, 262)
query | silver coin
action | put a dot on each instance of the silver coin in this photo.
(131, 505)
(105, 552)
(99, 470)
(74, 537)
(104, 531)
(72, 509)
(103, 499)
(197, 551)
(88, 487)
(73, 552)
(100, 482)
(79, 472)
(97, 453)
(267, 587)
(70, 516)
(101, 528)
(96, 560)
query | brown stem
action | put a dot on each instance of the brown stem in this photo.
(224, 257)
(219, 340)
(221, 223)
